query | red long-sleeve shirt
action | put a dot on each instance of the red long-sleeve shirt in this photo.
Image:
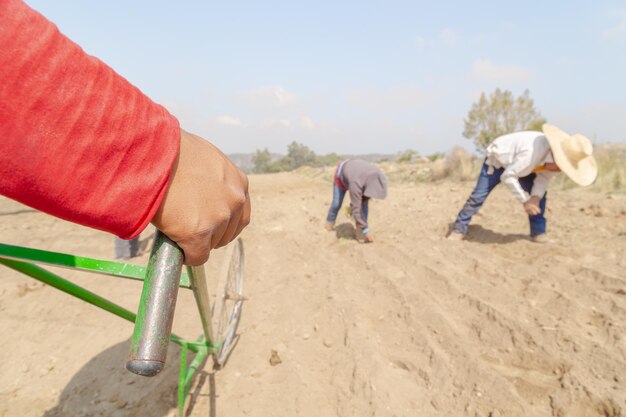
(77, 140)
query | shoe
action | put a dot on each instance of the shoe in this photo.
(329, 226)
(455, 236)
(542, 238)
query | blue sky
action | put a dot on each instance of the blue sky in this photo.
(359, 76)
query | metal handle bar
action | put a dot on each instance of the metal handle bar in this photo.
(153, 326)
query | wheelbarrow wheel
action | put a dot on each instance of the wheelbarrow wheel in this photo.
(229, 302)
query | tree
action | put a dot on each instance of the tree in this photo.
(261, 161)
(329, 159)
(281, 165)
(499, 114)
(297, 155)
(406, 156)
(300, 155)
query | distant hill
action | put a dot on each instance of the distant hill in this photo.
(244, 160)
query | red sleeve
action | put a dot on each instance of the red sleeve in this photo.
(77, 140)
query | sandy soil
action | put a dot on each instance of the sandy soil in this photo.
(412, 325)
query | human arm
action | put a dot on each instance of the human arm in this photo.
(522, 167)
(207, 203)
(356, 209)
(511, 175)
(540, 184)
(531, 206)
(520, 154)
(81, 143)
(78, 141)
(529, 201)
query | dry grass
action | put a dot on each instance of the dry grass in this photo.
(459, 165)
(611, 161)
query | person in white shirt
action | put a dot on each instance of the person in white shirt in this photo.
(525, 162)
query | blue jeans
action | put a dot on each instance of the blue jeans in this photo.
(485, 184)
(335, 206)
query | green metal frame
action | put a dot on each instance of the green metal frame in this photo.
(23, 260)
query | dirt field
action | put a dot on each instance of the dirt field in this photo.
(412, 325)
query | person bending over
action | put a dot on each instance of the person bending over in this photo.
(525, 162)
(363, 181)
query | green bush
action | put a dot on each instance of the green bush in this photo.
(298, 155)
(406, 156)
(437, 155)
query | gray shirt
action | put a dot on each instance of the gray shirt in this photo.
(363, 180)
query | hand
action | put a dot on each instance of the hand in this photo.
(532, 206)
(207, 203)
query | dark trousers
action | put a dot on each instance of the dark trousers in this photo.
(487, 182)
(338, 195)
(126, 249)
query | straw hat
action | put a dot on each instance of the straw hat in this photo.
(572, 154)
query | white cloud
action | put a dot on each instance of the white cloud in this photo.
(420, 41)
(449, 37)
(307, 123)
(276, 96)
(487, 70)
(619, 29)
(228, 120)
(283, 96)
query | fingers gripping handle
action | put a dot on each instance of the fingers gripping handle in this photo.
(153, 325)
